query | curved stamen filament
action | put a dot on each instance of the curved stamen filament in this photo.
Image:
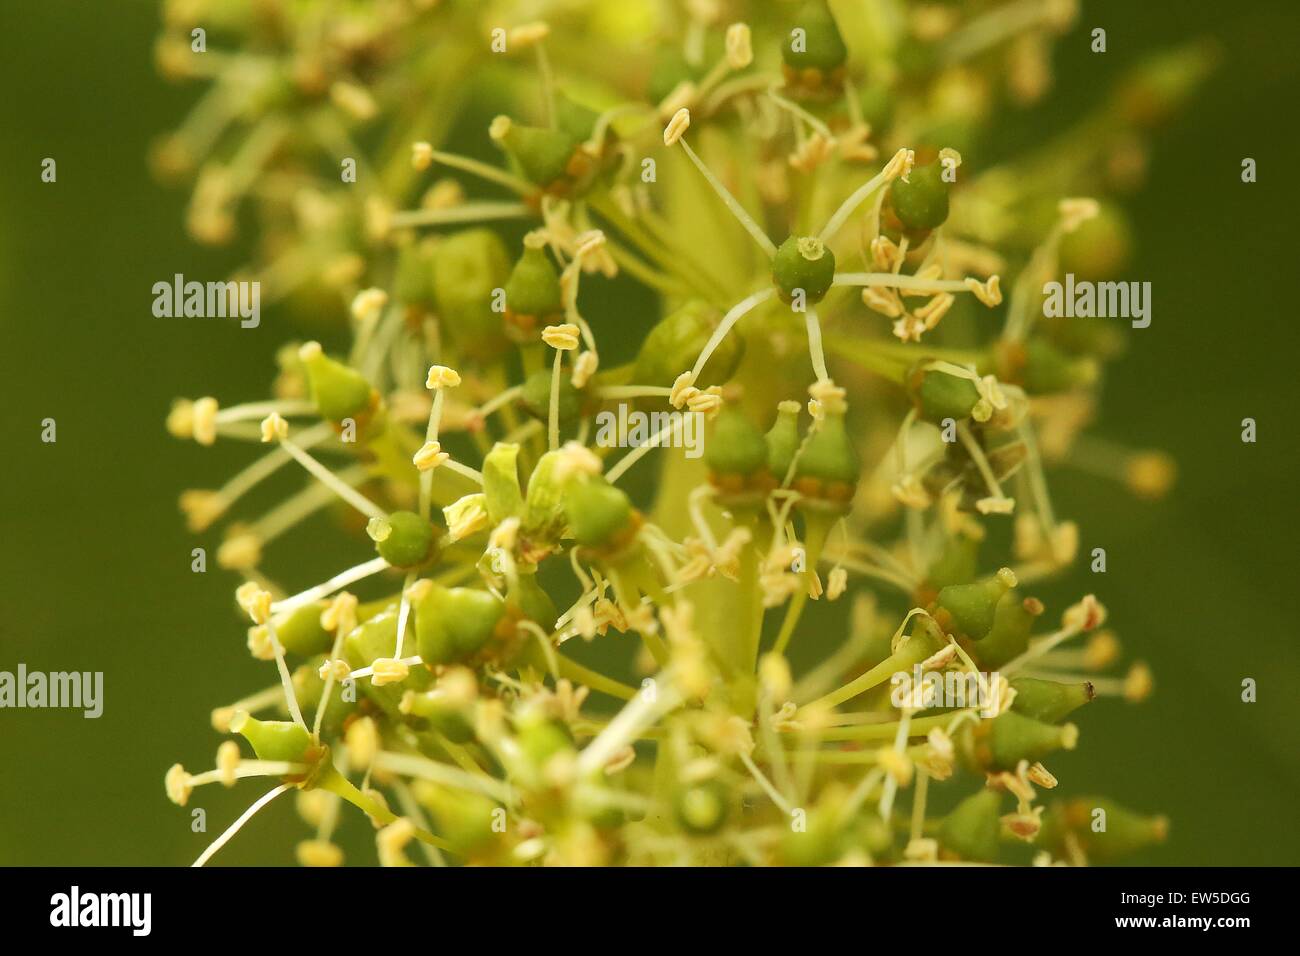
(738, 312)
(235, 827)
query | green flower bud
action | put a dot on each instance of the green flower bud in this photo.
(1100, 247)
(467, 267)
(453, 624)
(536, 398)
(1013, 619)
(300, 632)
(574, 119)
(599, 515)
(308, 688)
(541, 740)
(548, 158)
(461, 817)
(957, 563)
(803, 263)
(783, 440)
(1042, 368)
(413, 284)
(971, 830)
(376, 639)
(501, 488)
(448, 706)
(828, 470)
(1125, 831)
(533, 296)
(1049, 700)
(938, 394)
(702, 808)
(1001, 743)
(820, 53)
(403, 539)
(674, 344)
(968, 610)
(821, 841)
(276, 739)
(919, 203)
(531, 600)
(544, 502)
(671, 69)
(736, 449)
(339, 391)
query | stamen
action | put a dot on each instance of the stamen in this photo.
(899, 165)
(235, 827)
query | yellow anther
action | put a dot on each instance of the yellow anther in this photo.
(440, 376)
(677, 126)
(562, 337)
(430, 456)
(228, 762)
(274, 428)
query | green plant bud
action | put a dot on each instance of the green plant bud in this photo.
(300, 631)
(939, 395)
(1004, 741)
(670, 70)
(541, 739)
(920, 202)
(467, 267)
(501, 489)
(308, 688)
(413, 284)
(820, 842)
(1042, 368)
(803, 263)
(828, 470)
(531, 600)
(783, 440)
(702, 808)
(448, 706)
(453, 624)
(968, 610)
(1048, 700)
(533, 296)
(545, 156)
(971, 830)
(599, 514)
(823, 49)
(675, 342)
(876, 103)
(404, 539)
(1126, 832)
(957, 564)
(461, 817)
(544, 501)
(1013, 619)
(574, 119)
(1100, 247)
(275, 739)
(376, 639)
(536, 398)
(339, 391)
(736, 447)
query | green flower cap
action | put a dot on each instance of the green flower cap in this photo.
(736, 447)
(533, 295)
(573, 119)
(467, 267)
(1048, 700)
(1001, 743)
(308, 688)
(957, 563)
(823, 50)
(339, 391)
(968, 610)
(920, 202)
(453, 624)
(501, 482)
(971, 830)
(702, 808)
(1013, 619)
(829, 467)
(544, 502)
(599, 514)
(276, 739)
(803, 263)
(938, 394)
(677, 340)
(403, 539)
(535, 399)
(300, 632)
(545, 156)
(1126, 832)
(463, 818)
(783, 440)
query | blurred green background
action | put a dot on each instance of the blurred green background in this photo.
(96, 562)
